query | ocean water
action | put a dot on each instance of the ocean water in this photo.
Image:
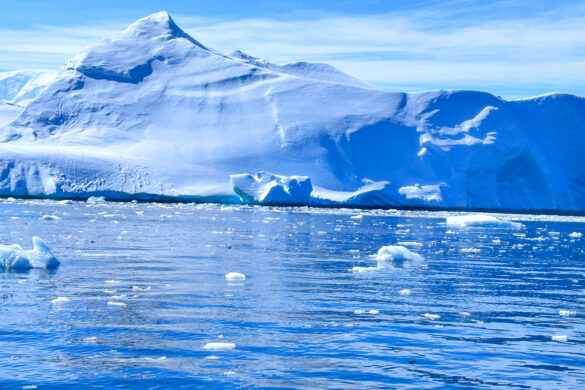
(140, 300)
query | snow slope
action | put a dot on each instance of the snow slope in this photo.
(154, 113)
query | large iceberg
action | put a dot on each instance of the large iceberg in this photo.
(13, 257)
(152, 113)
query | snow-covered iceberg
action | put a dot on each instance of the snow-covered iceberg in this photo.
(13, 257)
(152, 113)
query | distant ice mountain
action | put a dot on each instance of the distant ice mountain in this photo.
(154, 114)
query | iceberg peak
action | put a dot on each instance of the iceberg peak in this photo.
(159, 24)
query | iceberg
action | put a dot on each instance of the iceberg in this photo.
(481, 220)
(13, 257)
(154, 114)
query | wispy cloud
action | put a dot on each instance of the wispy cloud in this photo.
(438, 47)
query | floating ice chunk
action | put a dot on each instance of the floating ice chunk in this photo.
(219, 346)
(470, 250)
(481, 220)
(65, 202)
(465, 313)
(91, 339)
(393, 255)
(359, 311)
(268, 188)
(374, 311)
(405, 291)
(432, 317)
(50, 218)
(235, 276)
(112, 281)
(360, 270)
(115, 303)
(576, 235)
(96, 199)
(140, 289)
(14, 257)
(567, 313)
(59, 300)
(397, 255)
(561, 338)
(412, 244)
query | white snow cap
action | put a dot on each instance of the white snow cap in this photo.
(13, 257)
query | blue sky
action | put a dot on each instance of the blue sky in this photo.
(511, 48)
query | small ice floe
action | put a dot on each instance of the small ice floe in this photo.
(29, 387)
(465, 313)
(481, 220)
(362, 311)
(96, 199)
(567, 313)
(50, 218)
(561, 338)
(411, 244)
(112, 282)
(212, 357)
(470, 250)
(432, 317)
(405, 291)
(115, 303)
(91, 339)
(235, 276)
(219, 346)
(13, 257)
(140, 289)
(395, 256)
(65, 202)
(374, 311)
(576, 235)
(60, 300)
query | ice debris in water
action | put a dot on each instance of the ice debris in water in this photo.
(576, 235)
(96, 199)
(432, 317)
(362, 311)
(481, 220)
(567, 313)
(561, 338)
(115, 303)
(393, 255)
(219, 346)
(235, 276)
(60, 300)
(13, 257)
(405, 291)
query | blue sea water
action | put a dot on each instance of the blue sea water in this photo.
(141, 292)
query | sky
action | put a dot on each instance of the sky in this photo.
(512, 48)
